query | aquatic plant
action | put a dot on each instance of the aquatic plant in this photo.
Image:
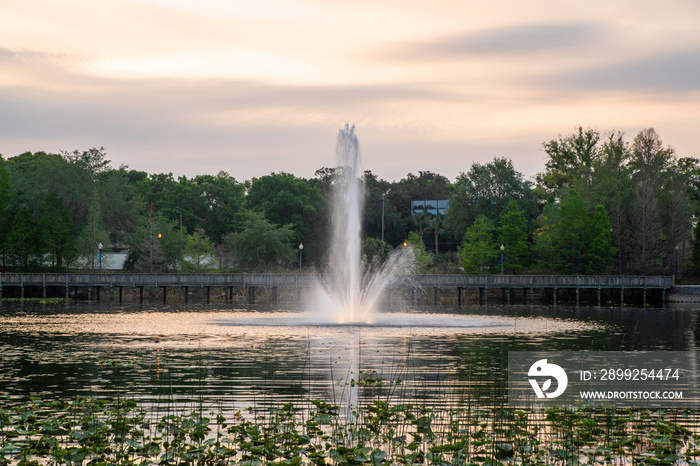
(123, 432)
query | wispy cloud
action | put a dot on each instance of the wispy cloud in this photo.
(522, 40)
(674, 72)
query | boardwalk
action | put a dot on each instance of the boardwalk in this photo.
(249, 282)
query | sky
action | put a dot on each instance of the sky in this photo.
(252, 87)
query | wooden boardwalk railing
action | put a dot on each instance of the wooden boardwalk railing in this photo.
(250, 282)
(307, 280)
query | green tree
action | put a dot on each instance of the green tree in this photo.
(24, 242)
(647, 228)
(544, 252)
(375, 251)
(612, 187)
(478, 252)
(421, 222)
(570, 160)
(435, 227)
(92, 160)
(156, 246)
(260, 245)
(689, 169)
(176, 200)
(120, 207)
(101, 201)
(676, 214)
(288, 201)
(5, 216)
(486, 190)
(56, 227)
(425, 186)
(649, 159)
(198, 249)
(221, 197)
(512, 234)
(421, 256)
(90, 165)
(661, 202)
(600, 250)
(375, 196)
(695, 255)
(570, 235)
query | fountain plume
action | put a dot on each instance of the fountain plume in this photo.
(350, 289)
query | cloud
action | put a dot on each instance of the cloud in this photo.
(47, 98)
(675, 72)
(515, 40)
(189, 126)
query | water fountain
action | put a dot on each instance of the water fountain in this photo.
(350, 288)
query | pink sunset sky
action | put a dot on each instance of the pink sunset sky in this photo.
(256, 86)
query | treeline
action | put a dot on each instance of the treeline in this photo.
(601, 205)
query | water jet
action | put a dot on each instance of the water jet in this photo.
(350, 289)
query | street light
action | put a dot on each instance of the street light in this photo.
(301, 250)
(677, 260)
(99, 256)
(502, 249)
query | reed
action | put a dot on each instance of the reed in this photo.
(122, 431)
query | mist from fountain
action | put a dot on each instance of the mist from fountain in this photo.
(350, 289)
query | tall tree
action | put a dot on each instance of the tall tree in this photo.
(260, 244)
(676, 215)
(599, 251)
(649, 162)
(24, 242)
(613, 187)
(512, 234)
(156, 246)
(56, 227)
(198, 250)
(570, 159)
(5, 216)
(544, 251)
(374, 252)
(695, 254)
(478, 252)
(570, 234)
(486, 190)
(287, 201)
(426, 186)
(221, 197)
(649, 159)
(420, 254)
(376, 201)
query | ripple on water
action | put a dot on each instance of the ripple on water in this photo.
(224, 328)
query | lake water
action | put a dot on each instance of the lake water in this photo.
(216, 356)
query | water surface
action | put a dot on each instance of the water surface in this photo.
(230, 358)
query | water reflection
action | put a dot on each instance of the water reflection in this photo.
(235, 359)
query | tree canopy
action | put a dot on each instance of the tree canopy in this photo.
(603, 203)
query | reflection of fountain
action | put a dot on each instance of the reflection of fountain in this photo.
(350, 289)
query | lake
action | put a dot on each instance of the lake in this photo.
(217, 356)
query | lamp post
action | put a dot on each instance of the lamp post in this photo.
(99, 255)
(502, 249)
(301, 250)
(677, 261)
